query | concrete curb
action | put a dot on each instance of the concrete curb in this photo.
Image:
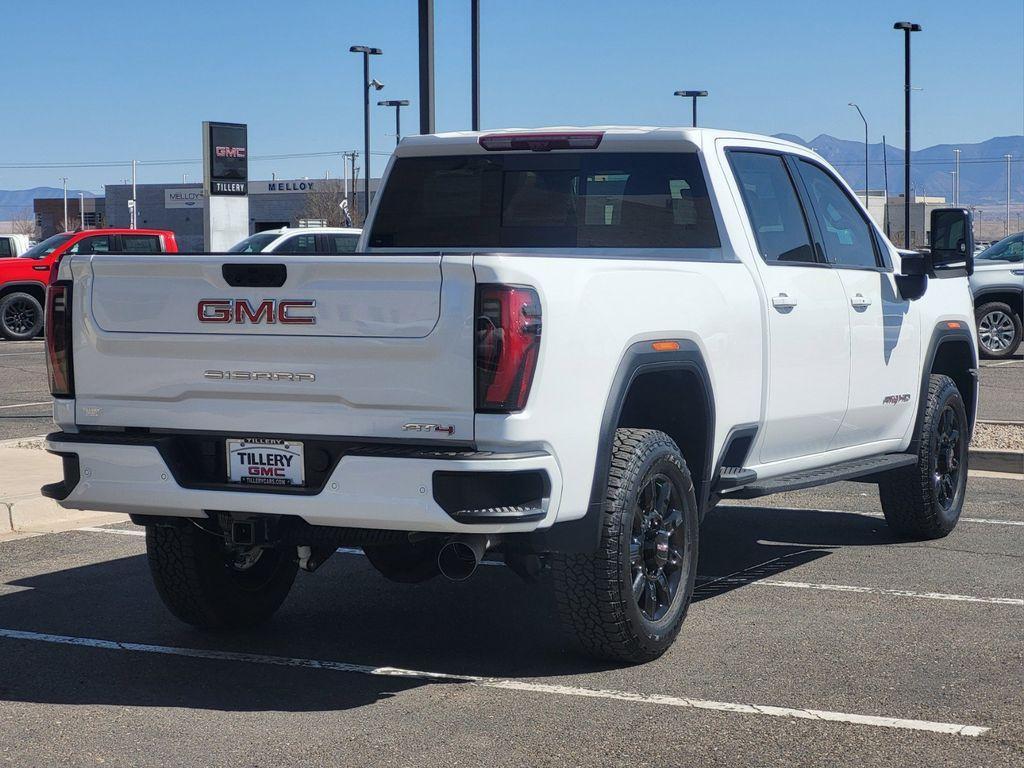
(23, 510)
(1011, 462)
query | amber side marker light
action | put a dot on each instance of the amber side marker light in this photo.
(953, 324)
(665, 346)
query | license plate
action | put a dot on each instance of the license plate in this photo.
(259, 461)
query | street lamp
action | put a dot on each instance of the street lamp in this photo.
(907, 28)
(851, 104)
(367, 85)
(692, 95)
(397, 104)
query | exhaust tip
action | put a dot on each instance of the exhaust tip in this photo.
(458, 560)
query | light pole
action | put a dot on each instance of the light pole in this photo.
(956, 177)
(907, 28)
(851, 104)
(367, 85)
(64, 180)
(474, 59)
(1007, 194)
(952, 186)
(81, 209)
(397, 104)
(692, 95)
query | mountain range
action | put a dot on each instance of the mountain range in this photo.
(982, 167)
(17, 203)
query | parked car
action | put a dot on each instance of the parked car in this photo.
(560, 346)
(303, 240)
(998, 289)
(13, 245)
(23, 279)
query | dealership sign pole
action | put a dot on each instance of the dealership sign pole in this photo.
(225, 184)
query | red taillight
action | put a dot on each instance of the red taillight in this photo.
(507, 342)
(58, 340)
(540, 142)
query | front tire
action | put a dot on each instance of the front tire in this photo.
(627, 600)
(204, 583)
(999, 330)
(21, 317)
(924, 501)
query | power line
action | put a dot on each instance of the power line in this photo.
(183, 161)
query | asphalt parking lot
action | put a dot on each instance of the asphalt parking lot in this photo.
(815, 638)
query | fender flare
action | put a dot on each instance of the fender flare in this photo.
(943, 334)
(584, 534)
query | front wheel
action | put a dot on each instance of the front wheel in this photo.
(999, 330)
(627, 600)
(923, 501)
(205, 583)
(21, 317)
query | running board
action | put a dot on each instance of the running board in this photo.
(809, 478)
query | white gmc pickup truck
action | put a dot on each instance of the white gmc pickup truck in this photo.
(559, 347)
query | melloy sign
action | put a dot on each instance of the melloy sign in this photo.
(184, 198)
(288, 186)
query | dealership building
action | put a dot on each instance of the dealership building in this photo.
(179, 207)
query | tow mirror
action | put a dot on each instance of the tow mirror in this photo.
(952, 242)
(912, 281)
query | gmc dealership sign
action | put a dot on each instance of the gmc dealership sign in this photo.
(226, 161)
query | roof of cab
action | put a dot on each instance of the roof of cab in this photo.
(633, 136)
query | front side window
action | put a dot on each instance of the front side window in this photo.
(298, 244)
(140, 243)
(94, 244)
(845, 233)
(254, 243)
(1010, 249)
(776, 215)
(547, 200)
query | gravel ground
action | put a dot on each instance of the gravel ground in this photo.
(998, 437)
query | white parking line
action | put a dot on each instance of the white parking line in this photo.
(734, 579)
(19, 354)
(954, 729)
(25, 405)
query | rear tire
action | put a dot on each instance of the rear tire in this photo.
(924, 501)
(999, 330)
(21, 317)
(203, 583)
(627, 600)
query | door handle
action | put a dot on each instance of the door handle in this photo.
(782, 301)
(860, 301)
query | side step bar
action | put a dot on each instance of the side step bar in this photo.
(846, 470)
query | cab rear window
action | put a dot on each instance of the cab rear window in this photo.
(559, 200)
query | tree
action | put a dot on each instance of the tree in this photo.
(323, 203)
(24, 223)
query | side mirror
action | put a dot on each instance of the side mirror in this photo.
(952, 242)
(912, 281)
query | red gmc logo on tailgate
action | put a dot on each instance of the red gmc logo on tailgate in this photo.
(286, 312)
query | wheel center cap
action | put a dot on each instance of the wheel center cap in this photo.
(661, 548)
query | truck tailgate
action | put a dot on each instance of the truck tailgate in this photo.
(352, 346)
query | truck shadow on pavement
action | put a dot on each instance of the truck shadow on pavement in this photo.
(493, 625)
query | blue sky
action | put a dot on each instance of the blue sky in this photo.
(135, 79)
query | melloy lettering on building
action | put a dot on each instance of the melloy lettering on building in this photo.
(186, 197)
(289, 186)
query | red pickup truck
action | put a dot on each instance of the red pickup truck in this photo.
(23, 279)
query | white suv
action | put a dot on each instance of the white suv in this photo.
(302, 240)
(998, 288)
(560, 346)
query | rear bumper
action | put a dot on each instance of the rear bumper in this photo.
(410, 490)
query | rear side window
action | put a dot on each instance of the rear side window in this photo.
(343, 243)
(773, 207)
(140, 243)
(845, 234)
(547, 200)
(5, 247)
